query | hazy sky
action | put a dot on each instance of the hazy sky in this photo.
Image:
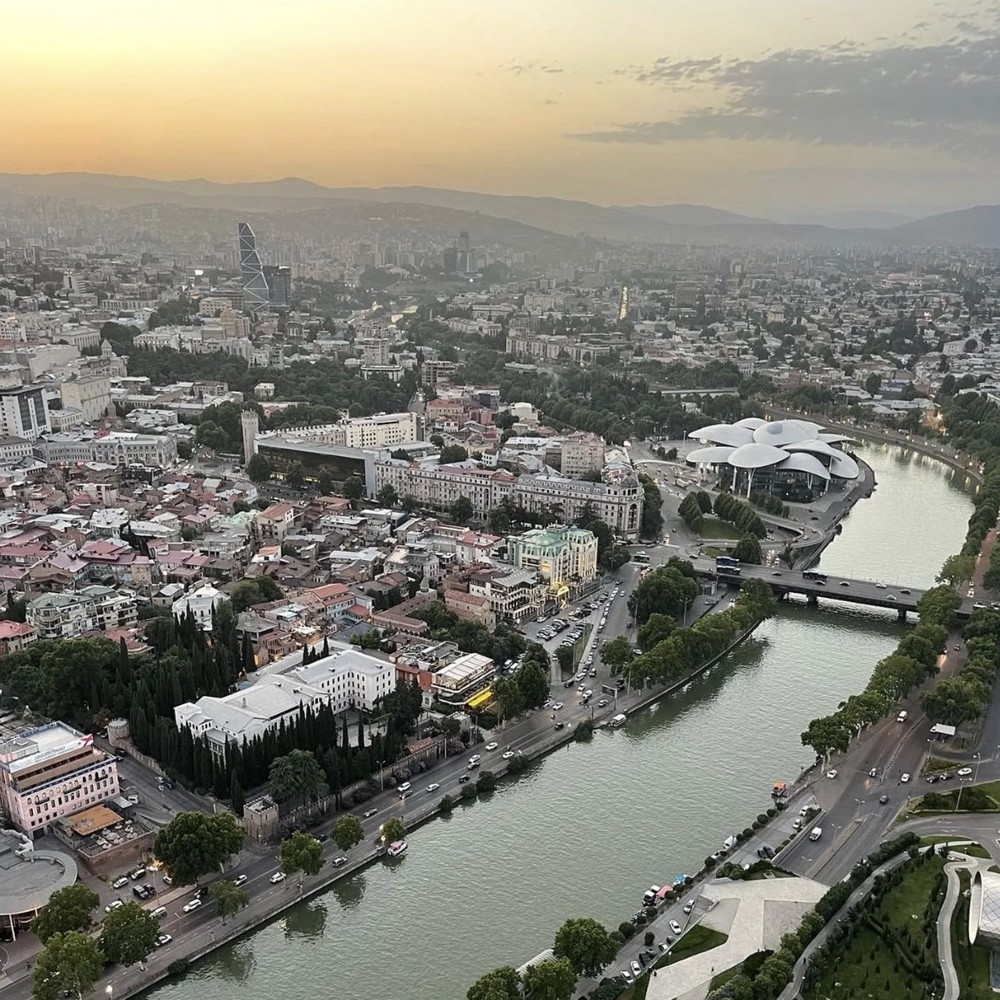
(737, 103)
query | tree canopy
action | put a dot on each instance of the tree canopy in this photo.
(194, 844)
(69, 962)
(301, 853)
(586, 945)
(68, 909)
(296, 777)
(128, 934)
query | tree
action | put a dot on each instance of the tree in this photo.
(617, 653)
(296, 777)
(228, 897)
(68, 909)
(295, 475)
(550, 980)
(500, 984)
(393, 829)
(70, 962)
(748, 550)
(533, 680)
(452, 453)
(325, 483)
(657, 628)
(301, 853)
(347, 832)
(409, 503)
(873, 383)
(193, 844)
(509, 697)
(586, 944)
(462, 510)
(957, 568)
(259, 469)
(498, 521)
(387, 496)
(128, 934)
(353, 488)
(565, 656)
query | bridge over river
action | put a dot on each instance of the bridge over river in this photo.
(901, 599)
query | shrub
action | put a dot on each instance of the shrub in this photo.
(468, 792)
(762, 819)
(640, 920)
(178, 967)
(447, 804)
(487, 782)
(747, 833)
(626, 928)
(709, 863)
(517, 764)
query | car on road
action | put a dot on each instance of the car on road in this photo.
(979, 606)
(368, 813)
(507, 754)
(832, 774)
(560, 725)
(891, 597)
(433, 786)
(339, 862)
(556, 706)
(167, 880)
(194, 904)
(904, 591)
(120, 883)
(472, 765)
(113, 905)
(689, 906)
(957, 646)
(844, 583)
(475, 758)
(675, 927)
(491, 746)
(883, 799)
(873, 772)
(593, 671)
(162, 940)
(160, 911)
(463, 778)
(636, 968)
(963, 771)
(881, 586)
(404, 787)
(904, 778)
(240, 879)
(602, 703)
(278, 877)
(775, 574)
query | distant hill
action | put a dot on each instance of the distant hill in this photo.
(547, 220)
(979, 226)
(692, 215)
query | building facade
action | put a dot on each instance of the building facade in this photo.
(50, 772)
(68, 615)
(560, 555)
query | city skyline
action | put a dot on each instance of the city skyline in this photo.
(871, 106)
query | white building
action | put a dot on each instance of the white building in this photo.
(50, 772)
(560, 555)
(24, 412)
(582, 454)
(347, 678)
(92, 396)
(69, 615)
(200, 603)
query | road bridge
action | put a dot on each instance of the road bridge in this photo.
(875, 594)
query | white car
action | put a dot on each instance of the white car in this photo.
(904, 778)
(275, 879)
(120, 883)
(832, 774)
(508, 754)
(433, 786)
(160, 911)
(636, 968)
(491, 746)
(239, 880)
(675, 927)
(556, 706)
(627, 977)
(881, 586)
(963, 771)
(689, 906)
(475, 758)
(113, 905)
(404, 787)
(191, 905)
(162, 940)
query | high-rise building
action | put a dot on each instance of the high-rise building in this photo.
(255, 290)
(249, 425)
(279, 284)
(24, 412)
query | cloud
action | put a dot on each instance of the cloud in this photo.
(518, 68)
(945, 95)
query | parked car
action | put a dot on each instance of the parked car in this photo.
(883, 799)
(832, 774)
(160, 911)
(113, 905)
(689, 906)
(120, 883)
(675, 927)
(404, 787)
(560, 725)
(636, 968)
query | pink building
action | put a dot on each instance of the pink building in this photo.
(15, 636)
(50, 772)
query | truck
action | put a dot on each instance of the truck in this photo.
(815, 833)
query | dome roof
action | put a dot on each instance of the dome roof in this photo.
(804, 462)
(984, 909)
(752, 422)
(833, 438)
(756, 456)
(715, 455)
(814, 447)
(781, 432)
(844, 467)
(728, 434)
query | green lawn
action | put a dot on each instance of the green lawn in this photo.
(989, 788)
(972, 962)
(697, 940)
(712, 527)
(867, 964)
(973, 850)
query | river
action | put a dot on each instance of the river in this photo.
(586, 830)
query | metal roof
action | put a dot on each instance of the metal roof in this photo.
(757, 456)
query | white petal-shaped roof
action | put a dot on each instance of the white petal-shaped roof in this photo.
(723, 434)
(752, 422)
(804, 462)
(844, 467)
(714, 455)
(814, 447)
(834, 438)
(757, 456)
(780, 432)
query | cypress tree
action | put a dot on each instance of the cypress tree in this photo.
(236, 794)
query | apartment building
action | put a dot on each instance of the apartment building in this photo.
(68, 615)
(24, 412)
(560, 555)
(619, 503)
(91, 396)
(116, 448)
(464, 678)
(581, 454)
(50, 772)
(440, 486)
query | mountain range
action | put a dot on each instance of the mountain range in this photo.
(669, 223)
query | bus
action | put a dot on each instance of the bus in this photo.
(726, 569)
(814, 574)
(726, 561)
(640, 557)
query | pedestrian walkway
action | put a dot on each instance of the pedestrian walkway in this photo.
(754, 914)
(952, 990)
